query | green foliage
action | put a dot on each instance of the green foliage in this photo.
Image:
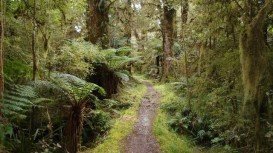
(18, 100)
(117, 59)
(78, 57)
(97, 123)
(16, 70)
(210, 37)
(154, 49)
(76, 87)
(169, 141)
(75, 57)
(5, 129)
(114, 105)
(181, 120)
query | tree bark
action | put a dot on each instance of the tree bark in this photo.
(255, 72)
(168, 35)
(97, 22)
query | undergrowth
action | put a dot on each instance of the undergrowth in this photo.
(171, 139)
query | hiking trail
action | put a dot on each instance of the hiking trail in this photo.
(142, 140)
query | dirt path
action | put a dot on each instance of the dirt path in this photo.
(142, 140)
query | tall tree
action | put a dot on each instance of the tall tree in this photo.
(254, 61)
(168, 21)
(97, 22)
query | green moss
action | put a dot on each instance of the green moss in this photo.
(168, 140)
(123, 125)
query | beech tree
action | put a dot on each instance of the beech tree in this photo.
(257, 76)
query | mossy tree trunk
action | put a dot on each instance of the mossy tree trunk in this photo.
(255, 72)
(168, 22)
(97, 22)
(74, 127)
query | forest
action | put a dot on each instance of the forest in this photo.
(136, 76)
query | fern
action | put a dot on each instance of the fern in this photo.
(17, 101)
(76, 87)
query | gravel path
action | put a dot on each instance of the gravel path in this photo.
(142, 140)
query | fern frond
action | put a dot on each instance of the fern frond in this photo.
(17, 101)
(13, 107)
(75, 86)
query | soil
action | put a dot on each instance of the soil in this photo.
(142, 140)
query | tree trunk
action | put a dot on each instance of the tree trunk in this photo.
(168, 35)
(97, 22)
(48, 54)
(33, 46)
(184, 18)
(73, 129)
(128, 24)
(256, 77)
